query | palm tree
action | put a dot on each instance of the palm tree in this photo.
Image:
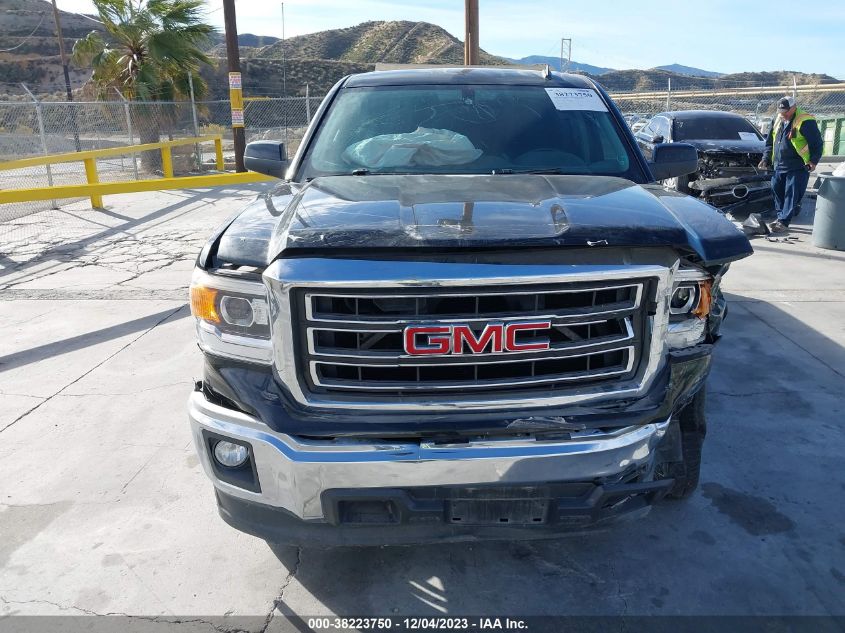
(149, 49)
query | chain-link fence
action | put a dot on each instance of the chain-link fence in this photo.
(37, 128)
(758, 104)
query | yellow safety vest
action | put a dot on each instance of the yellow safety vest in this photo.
(798, 141)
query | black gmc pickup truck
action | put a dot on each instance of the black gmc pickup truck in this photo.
(465, 311)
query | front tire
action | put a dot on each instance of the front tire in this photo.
(693, 428)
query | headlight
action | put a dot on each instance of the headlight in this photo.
(232, 317)
(691, 297)
(689, 305)
(684, 299)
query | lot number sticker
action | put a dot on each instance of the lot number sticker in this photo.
(576, 99)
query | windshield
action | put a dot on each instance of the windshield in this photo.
(469, 130)
(715, 128)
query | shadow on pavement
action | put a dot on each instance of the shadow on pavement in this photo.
(65, 346)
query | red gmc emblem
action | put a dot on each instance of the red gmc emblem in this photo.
(438, 340)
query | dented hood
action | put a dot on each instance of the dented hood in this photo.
(370, 213)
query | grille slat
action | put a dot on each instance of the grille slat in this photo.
(396, 385)
(352, 341)
(317, 348)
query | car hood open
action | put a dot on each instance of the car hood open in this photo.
(347, 214)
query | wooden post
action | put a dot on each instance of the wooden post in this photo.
(92, 179)
(68, 90)
(235, 91)
(471, 33)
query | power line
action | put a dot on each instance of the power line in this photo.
(26, 39)
(81, 15)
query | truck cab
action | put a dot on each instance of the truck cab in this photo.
(465, 311)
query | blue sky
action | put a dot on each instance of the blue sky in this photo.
(725, 36)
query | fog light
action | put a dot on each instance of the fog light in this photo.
(230, 454)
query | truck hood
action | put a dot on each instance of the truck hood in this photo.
(346, 214)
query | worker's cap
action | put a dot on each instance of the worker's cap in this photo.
(786, 103)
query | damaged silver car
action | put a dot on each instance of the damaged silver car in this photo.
(729, 150)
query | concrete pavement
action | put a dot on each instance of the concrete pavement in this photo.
(104, 507)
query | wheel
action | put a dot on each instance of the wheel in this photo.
(693, 428)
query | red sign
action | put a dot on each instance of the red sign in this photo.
(495, 338)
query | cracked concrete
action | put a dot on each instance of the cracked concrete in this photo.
(105, 509)
(224, 624)
(94, 368)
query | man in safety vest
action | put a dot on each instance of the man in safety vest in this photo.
(793, 148)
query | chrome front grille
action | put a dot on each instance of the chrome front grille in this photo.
(291, 280)
(351, 340)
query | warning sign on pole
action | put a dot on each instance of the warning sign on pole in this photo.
(236, 97)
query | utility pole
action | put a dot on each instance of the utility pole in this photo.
(284, 57)
(568, 41)
(236, 97)
(471, 33)
(285, 77)
(67, 74)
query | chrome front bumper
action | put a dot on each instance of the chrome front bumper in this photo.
(293, 472)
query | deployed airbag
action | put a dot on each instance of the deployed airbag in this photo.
(422, 147)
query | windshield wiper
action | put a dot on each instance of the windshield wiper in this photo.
(507, 170)
(363, 171)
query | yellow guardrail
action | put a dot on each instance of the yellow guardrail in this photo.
(95, 190)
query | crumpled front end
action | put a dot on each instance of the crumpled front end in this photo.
(531, 442)
(732, 182)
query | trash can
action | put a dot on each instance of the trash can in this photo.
(829, 224)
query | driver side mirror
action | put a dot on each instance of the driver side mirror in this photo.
(656, 139)
(266, 157)
(673, 159)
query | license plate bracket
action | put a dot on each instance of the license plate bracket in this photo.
(521, 512)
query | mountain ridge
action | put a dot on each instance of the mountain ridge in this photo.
(554, 63)
(375, 41)
(29, 53)
(688, 70)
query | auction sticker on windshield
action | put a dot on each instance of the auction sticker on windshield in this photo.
(576, 99)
